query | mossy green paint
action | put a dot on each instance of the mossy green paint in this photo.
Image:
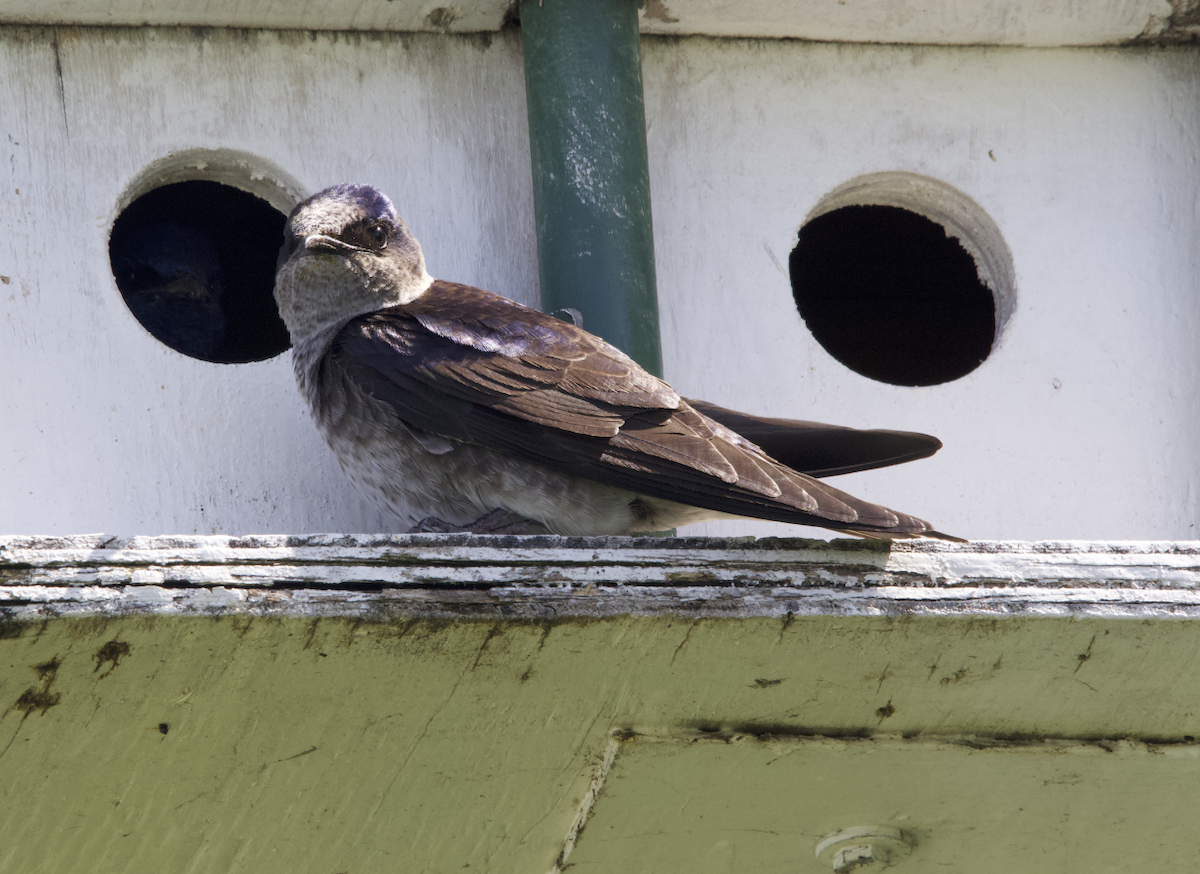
(262, 744)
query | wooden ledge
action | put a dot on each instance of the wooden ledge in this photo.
(388, 576)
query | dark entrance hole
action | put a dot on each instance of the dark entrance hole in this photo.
(889, 294)
(195, 262)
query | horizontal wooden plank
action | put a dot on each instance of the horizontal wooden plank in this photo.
(531, 577)
(1013, 22)
(258, 743)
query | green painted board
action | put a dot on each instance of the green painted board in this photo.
(258, 743)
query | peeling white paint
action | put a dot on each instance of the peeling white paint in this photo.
(1012, 22)
(433, 575)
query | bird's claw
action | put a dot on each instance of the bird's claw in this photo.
(495, 522)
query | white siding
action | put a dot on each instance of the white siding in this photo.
(104, 427)
(1083, 423)
(970, 22)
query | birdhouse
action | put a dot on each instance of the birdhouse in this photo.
(973, 221)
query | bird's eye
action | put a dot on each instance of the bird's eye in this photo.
(372, 237)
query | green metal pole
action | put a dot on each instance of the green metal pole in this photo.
(591, 179)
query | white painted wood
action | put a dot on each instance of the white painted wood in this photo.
(970, 22)
(1082, 424)
(105, 427)
(437, 575)
(1012, 22)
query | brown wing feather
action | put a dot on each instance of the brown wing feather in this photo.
(529, 344)
(823, 450)
(472, 366)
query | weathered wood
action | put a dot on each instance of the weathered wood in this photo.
(106, 428)
(659, 810)
(239, 741)
(1013, 22)
(449, 575)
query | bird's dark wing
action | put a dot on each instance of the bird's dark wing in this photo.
(472, 366)
(478, 347)
(823, 450)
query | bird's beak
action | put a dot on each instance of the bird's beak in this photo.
(323, 243)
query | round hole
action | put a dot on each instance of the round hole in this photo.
(193, 253)
(903, 279)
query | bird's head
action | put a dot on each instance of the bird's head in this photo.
(345, 253)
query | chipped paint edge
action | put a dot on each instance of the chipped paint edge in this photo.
(540, 578)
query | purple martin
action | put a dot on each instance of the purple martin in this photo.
(461, 410)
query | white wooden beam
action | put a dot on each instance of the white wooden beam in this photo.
(522, 577)
(947, 22)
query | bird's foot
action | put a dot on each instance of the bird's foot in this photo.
(495, 522)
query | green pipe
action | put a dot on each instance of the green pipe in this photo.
(591, 177)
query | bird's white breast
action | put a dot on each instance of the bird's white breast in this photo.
(392, 468)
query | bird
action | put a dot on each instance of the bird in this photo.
(457, 409)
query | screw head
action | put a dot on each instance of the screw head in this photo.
(865, 846)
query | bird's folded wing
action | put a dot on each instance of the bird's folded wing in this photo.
(526, 349)
(823, 450)
(521, 382)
